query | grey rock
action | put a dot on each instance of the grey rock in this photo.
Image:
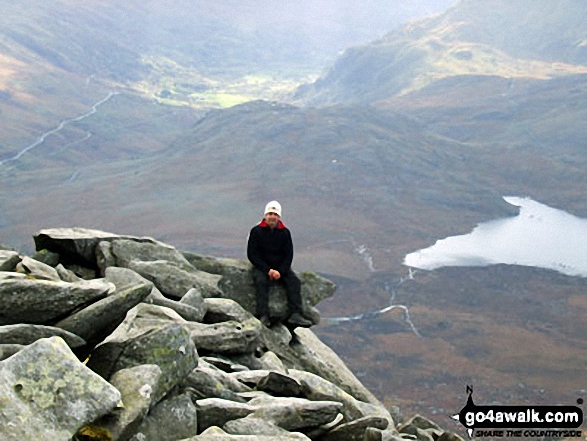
(5, 275)
(225, 364)
(123, 277)
(312, 355)
(278, 384)
(295, 413)
(149, 335)
(126, 251)
(23, 334)
(46, 387)
(77, 244)
(217, 412)
(172, 419)
(46, 257)
(8, 260)
(184, 309)
(449, 436)
(217, 434)
(251, 377)
(138, 386)
(271, 362)
(237, 284)
(82, 271)
(172, 280)
(104, 257)
(8, 350)
(317, 432)
(37, 270)
(373, 434)
(257, 426)
(419, 422)
(67, 275)
(355, 430)
(95, 322)
(222, 310)
(225, 338)
(317, 388)
(208, 381)
(193, 298)
(43, 301)
(274, 383)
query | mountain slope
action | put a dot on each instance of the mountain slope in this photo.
(523, 39)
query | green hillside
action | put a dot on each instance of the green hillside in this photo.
(523, 39)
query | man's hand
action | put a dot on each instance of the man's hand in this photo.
(274, 274)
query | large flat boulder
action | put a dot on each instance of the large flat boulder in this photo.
(24, 300)
(48, 394)
(77, 245)
(97, 321)
(237, 284)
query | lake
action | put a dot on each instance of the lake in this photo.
(539, 236)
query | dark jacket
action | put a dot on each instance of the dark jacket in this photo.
(270, 249)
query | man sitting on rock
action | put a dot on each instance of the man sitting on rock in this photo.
(270, 250)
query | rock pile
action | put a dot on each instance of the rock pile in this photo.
(108, 337)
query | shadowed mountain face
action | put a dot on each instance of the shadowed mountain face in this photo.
(525, 39)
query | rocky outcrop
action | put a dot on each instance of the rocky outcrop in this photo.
(163, 345)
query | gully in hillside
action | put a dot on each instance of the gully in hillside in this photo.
(270, 250)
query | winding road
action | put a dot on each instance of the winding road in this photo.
(61, 125)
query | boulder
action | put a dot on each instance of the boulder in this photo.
(24, 300)
(78, 244)
(23, 334)
(217, 434)
(281, 385)
(126, 251)
(149, 335)
(217, 412)
(48, 394)
(295, 413)
(224, 338)
(8, 350)
(172, 280)
(271, 362)
(373, 434)
(97, 321)
(8, 260)
(138, 386)
(274, 383)
(187, 312)
(37, 270)
(312, 355)
(67, 275)
(237, 284)
(355, 430)
(257, 426)
(172, 419)
(207, 381)
(46, 257)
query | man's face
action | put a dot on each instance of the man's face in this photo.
(272, 219)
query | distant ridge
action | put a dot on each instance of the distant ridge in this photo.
(522, 39)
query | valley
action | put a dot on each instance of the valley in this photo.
(376, 146)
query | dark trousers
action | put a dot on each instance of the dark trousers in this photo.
(292, 287)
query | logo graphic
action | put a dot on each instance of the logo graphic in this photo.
(553, 420)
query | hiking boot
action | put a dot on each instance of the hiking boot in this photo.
(297, 319)
(264, 319)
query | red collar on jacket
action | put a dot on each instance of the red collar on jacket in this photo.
(280, 225)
